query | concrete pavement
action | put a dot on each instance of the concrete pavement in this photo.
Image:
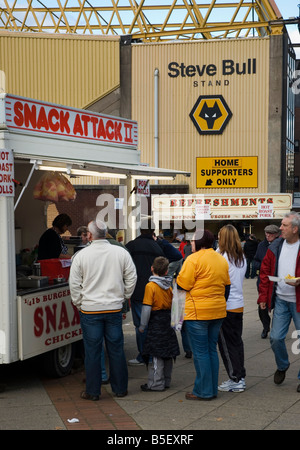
(263, 405)
(31, 402)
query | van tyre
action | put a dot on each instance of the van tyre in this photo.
(58, 363)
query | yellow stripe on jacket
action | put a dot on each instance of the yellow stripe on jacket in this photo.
(204, 276)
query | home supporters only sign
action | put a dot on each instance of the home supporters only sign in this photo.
(225, 172)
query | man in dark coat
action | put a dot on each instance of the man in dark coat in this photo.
(250, 248)
(143, 251)
(271, 233)
(174, 256)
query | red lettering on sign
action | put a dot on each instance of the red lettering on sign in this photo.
(128, 132)
(30, 115)
(85, 119)
(46, 118)
(38, 320)
(51, 317)
(54, 317)
(77, 126)
(64, 125)
(63, 337)
(110, 129)
(42, 121)
(101, 130)
(118, 135)
(94, 122)
(53, 114)
(18, 118)
(63, 320)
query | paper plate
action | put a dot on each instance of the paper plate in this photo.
(271, 278)
(291, 280)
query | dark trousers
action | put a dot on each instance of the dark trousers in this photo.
(185, 339)
(231, 345)
(264, 318)
(251, 268)
(136, 311)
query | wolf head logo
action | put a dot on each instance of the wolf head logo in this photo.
(210, 114)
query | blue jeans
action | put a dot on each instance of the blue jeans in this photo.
(203, 337)
(104, 376)
(283, 313)
(136, 311)
(95, 328)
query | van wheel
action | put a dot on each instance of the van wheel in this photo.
(58, 363)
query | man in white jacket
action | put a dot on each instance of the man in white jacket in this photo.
(101, 277)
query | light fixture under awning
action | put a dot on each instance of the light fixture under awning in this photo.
(108, 170)
(121, 171)
(78, 172)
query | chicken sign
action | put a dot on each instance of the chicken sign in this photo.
(47, 118)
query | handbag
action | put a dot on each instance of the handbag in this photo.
(177, 309)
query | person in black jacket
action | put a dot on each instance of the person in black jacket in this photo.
(51, 244)
(250, 248)
(143, 251)
(271, 233)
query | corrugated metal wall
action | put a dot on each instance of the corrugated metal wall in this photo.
(69, 70)
(179, 142)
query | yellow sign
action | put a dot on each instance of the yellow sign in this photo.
(228, 172)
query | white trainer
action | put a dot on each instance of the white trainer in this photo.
(232, 386)
(135, 362)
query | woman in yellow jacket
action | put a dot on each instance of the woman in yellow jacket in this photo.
(205, 277)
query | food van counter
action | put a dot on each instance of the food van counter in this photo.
(31, 290)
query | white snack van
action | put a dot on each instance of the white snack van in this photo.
(39, 319)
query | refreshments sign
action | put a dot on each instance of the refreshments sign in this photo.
(216, 207)
(46, 118)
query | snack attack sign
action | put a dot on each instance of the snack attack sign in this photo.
(51, 119)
